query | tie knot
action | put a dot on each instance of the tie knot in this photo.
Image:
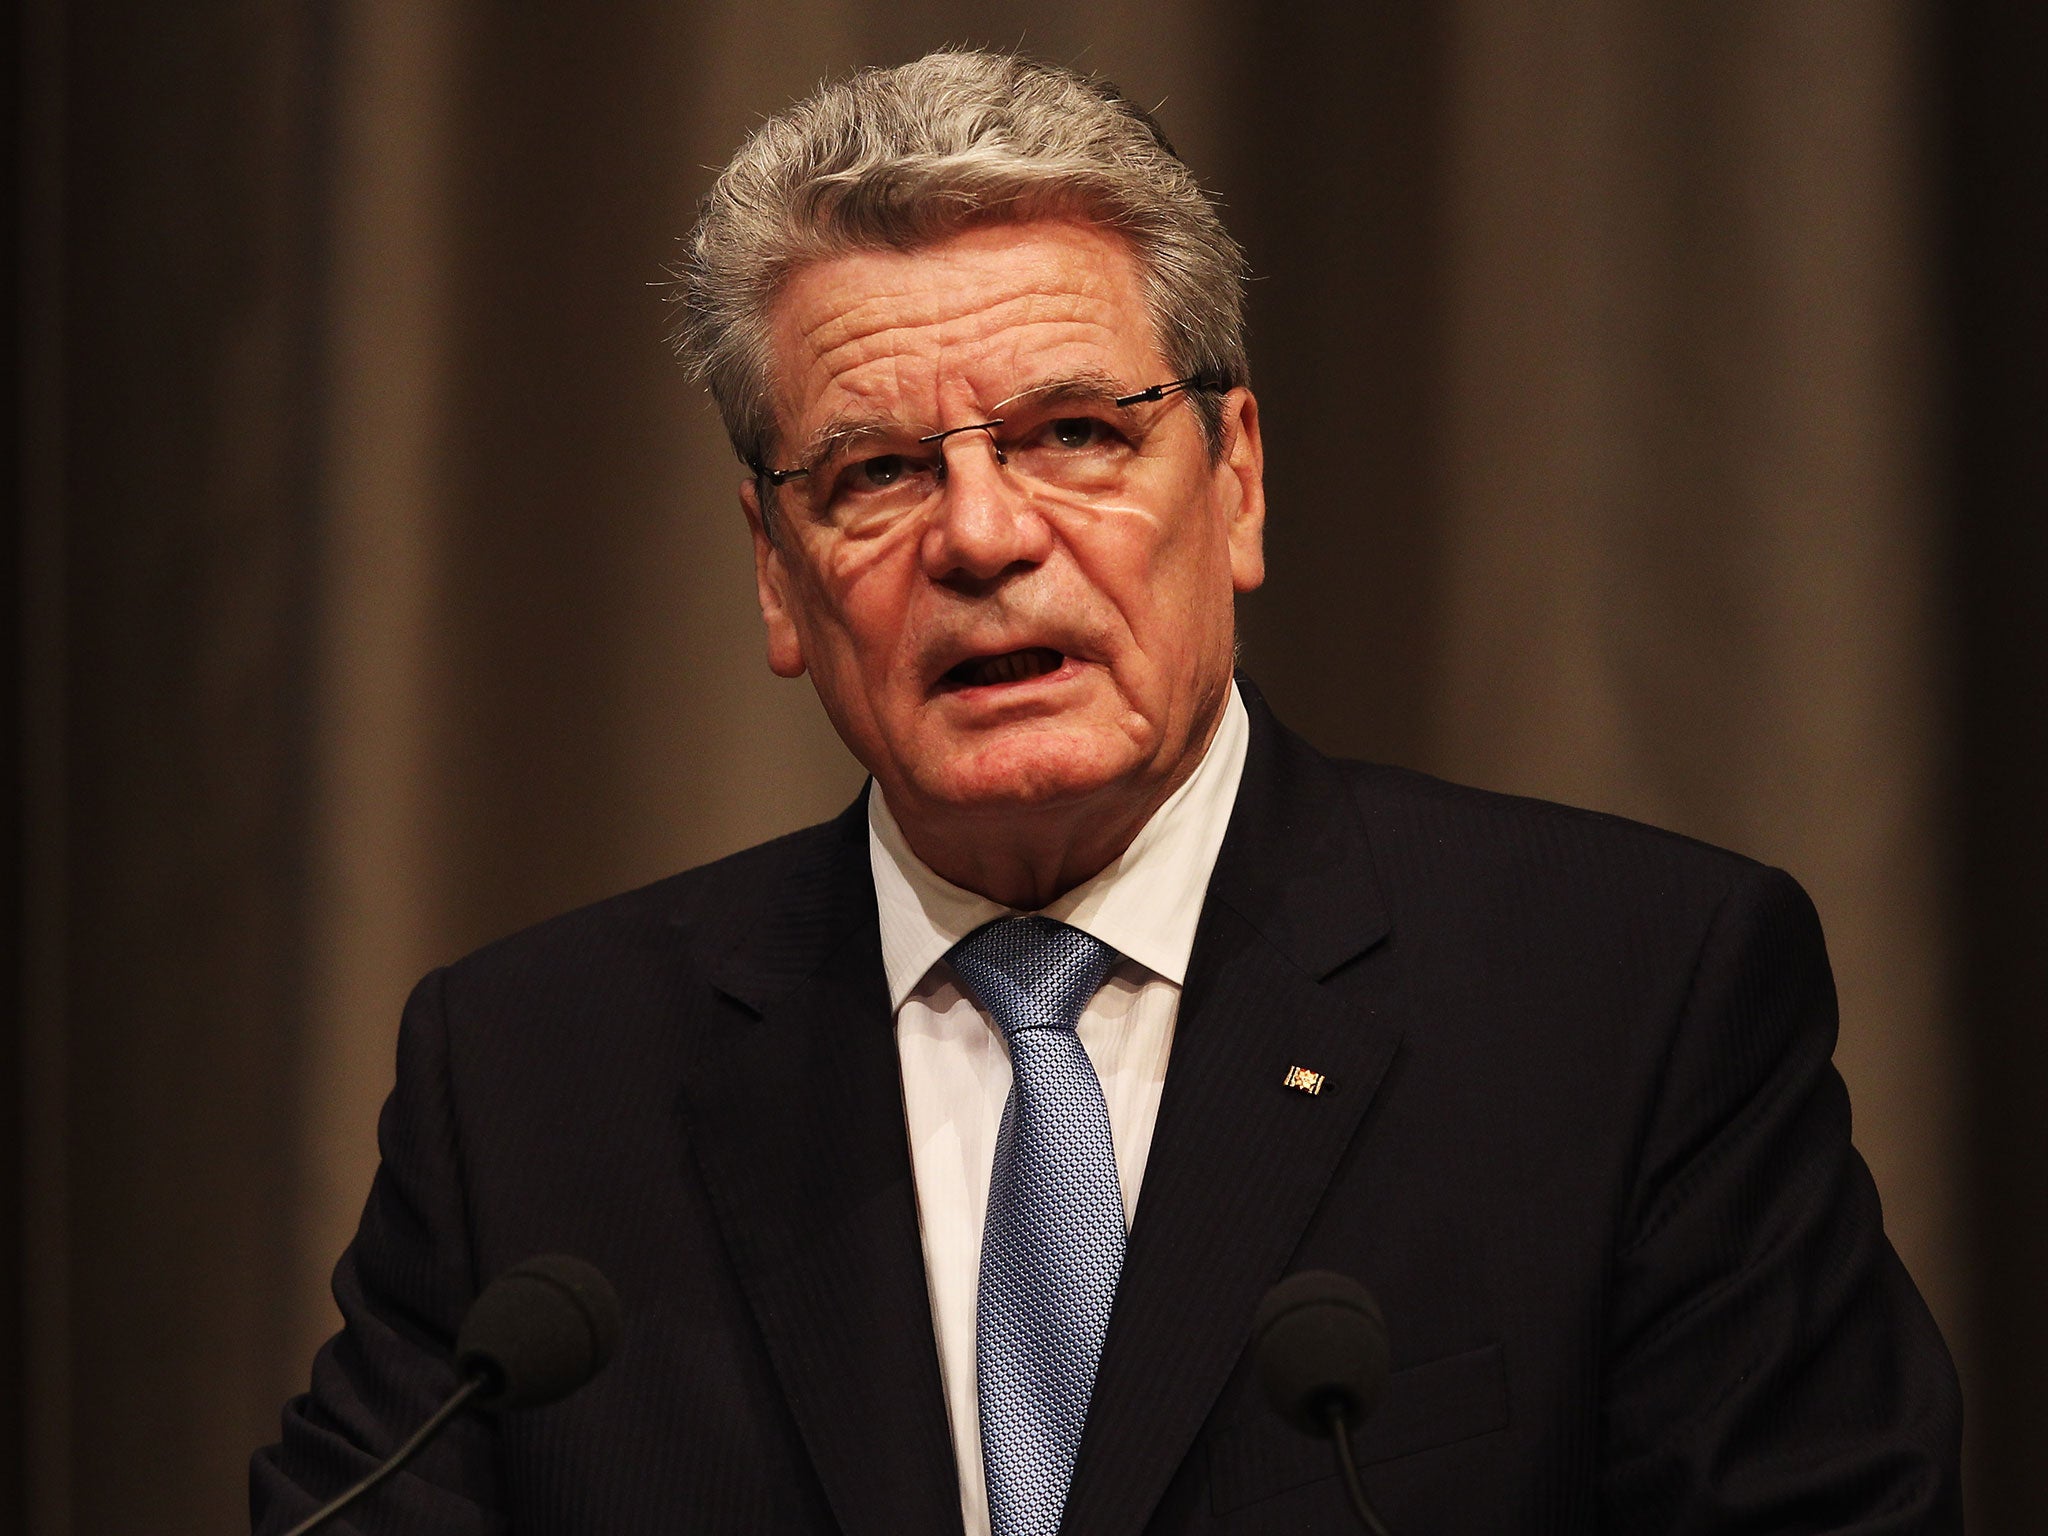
(1031, 972)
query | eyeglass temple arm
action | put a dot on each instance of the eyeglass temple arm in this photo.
(775, 477)
(1161, 391)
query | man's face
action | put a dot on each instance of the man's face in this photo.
(1002, 645)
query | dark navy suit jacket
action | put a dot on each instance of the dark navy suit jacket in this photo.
(1580, 1135)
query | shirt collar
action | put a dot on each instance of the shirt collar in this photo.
(1145, 904)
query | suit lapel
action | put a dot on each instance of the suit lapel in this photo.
(796, 1117)
(1239, 1162)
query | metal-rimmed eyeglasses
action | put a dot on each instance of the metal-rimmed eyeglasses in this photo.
(1073, 437)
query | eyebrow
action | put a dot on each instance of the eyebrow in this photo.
(1089, 386)
(842, 432)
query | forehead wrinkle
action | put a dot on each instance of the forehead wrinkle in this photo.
(841, 348)
(934, 287)
(897, 389)
(903, 335)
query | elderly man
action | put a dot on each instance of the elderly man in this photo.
(940, 1154)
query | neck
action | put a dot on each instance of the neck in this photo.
(1027, 862)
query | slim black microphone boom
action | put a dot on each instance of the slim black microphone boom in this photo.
(538, 1332)
(1320, 1346)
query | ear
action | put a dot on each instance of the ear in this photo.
(772, 585)
(1242, 469)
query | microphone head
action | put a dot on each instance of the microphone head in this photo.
(539, 1331)
(1320, 1344)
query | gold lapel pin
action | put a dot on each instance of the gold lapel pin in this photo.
(1303, 1079)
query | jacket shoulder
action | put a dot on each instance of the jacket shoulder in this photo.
(697, 913)
(1412, 813)
(1509, 874)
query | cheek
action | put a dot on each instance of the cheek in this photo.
(855, 610)
(1169, 577)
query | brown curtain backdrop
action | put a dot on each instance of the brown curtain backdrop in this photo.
(383, 587)
(1689, 552)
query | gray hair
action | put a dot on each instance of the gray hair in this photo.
(901, 158)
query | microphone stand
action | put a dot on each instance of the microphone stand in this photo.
(405, 1453)
(1340, 1436)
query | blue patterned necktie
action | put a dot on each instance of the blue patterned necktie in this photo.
(1054, 1242)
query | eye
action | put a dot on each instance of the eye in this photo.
(1077, 432)
(878, 473)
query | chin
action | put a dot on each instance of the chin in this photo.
(1039, 770)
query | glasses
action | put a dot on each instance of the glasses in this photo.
(1073, 439)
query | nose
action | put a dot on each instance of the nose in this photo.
(983, 524)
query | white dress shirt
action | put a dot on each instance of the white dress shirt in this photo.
(956, 1067)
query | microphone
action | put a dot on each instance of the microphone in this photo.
(538, 1332)
(1320, 1346)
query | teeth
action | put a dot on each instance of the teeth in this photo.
(1011, 667)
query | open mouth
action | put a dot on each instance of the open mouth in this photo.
(1010, 667)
